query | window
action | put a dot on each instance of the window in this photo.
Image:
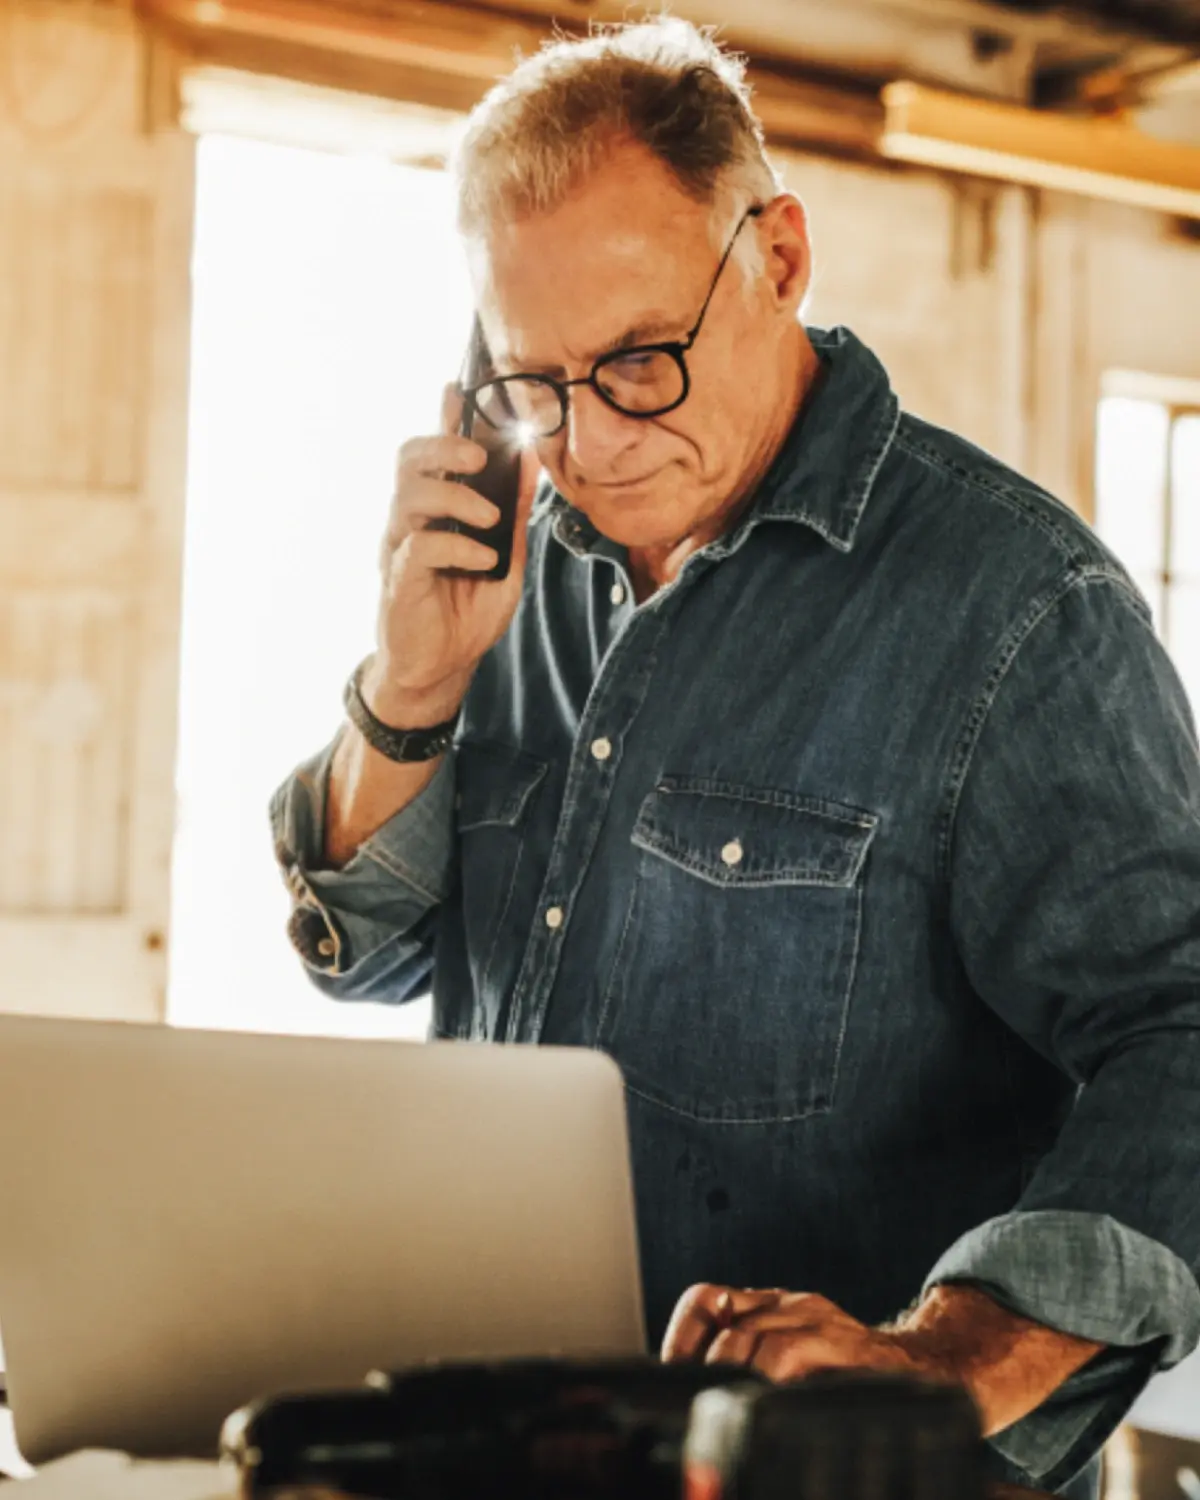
(1148, 511)
(331, 304)
(1148, 504)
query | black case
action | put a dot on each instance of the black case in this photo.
(500, 479)
(612, 1430)
(840, 1436)
(517, 1430)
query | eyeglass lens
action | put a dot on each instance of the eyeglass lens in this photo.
(639, 383)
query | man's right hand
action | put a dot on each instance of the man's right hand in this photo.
(433, 628)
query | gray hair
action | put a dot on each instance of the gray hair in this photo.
(662, 83)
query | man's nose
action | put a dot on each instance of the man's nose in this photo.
(597, 434)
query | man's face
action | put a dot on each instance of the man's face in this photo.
(631, 253)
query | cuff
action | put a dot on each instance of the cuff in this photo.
(393, 880)
(1088, 1275)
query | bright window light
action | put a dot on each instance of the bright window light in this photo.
(330, 308)
(1148, 511)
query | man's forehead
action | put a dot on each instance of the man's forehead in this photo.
(543, 296)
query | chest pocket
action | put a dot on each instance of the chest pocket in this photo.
(498, 788)
(730, 991)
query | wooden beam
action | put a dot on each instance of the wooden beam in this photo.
(462, 41)
(1098, 158)
(450, 54)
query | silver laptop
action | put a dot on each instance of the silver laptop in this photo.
(190, 1219)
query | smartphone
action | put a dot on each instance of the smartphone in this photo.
(492, 425)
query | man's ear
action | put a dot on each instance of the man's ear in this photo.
(788, 253)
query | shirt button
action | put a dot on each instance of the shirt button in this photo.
(326, 947)
(601, 749)
(733, 852)
(617, 593)
(554, 918)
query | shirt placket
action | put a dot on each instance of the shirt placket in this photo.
(616, 698)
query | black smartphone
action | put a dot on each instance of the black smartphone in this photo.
(491, 422)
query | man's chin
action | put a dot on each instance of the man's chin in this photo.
(635, 516)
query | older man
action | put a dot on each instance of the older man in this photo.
(819, 768)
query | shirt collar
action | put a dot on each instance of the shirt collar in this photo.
(825, 470)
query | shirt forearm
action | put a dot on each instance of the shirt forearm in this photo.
(364, 929)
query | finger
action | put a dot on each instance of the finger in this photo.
(433, 457)
(734, 1346)
(436, 550)
(451, 500)
(703, 1311)
(693, 1323)
(432, 500)
(743, 1344)
(747, 1300)
(789, 1356)
(797, 1318)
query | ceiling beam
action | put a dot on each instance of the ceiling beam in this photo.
(451, 54)
(1107, 159)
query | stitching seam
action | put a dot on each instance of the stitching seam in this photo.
(401, 872)
(1013, 498)
(960, 762)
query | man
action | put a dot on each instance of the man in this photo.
(819, 768)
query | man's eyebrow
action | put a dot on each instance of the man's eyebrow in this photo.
(645, 331)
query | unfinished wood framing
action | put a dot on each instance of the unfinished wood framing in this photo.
(448, 55)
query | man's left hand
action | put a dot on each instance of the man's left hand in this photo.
(957, 1335)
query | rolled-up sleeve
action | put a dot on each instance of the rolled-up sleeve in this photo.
(1088, 1275)
(365, 931)
(1073, 848)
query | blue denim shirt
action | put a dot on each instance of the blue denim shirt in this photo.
(870, 849)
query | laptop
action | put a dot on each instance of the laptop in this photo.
(190, 1220)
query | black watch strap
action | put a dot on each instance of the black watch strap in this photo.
(396, 744)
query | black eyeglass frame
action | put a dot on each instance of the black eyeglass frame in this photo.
(676, 348)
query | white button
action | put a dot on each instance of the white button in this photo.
(601, 748)
(554, 918)
(732, 852)
(327, 947)
(617, 593)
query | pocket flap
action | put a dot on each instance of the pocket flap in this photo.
(494, 783)
(744, 836)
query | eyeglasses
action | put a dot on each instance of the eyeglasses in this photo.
(645, 380)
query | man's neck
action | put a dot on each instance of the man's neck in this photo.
(652, 568)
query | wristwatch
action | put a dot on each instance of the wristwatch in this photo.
(396, 744)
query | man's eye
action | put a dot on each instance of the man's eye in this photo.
(636, 360)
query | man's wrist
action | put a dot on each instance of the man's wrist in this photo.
(1009, 1363)
(404, 708)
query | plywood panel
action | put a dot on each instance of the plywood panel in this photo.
(71, 538)
(935, 296)
(74, 333)
(64, 750)
(70, 75)
(95, 967)
(96, 191)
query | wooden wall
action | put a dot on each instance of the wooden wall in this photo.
(95, 212)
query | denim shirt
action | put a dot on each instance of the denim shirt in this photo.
(869, 847)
